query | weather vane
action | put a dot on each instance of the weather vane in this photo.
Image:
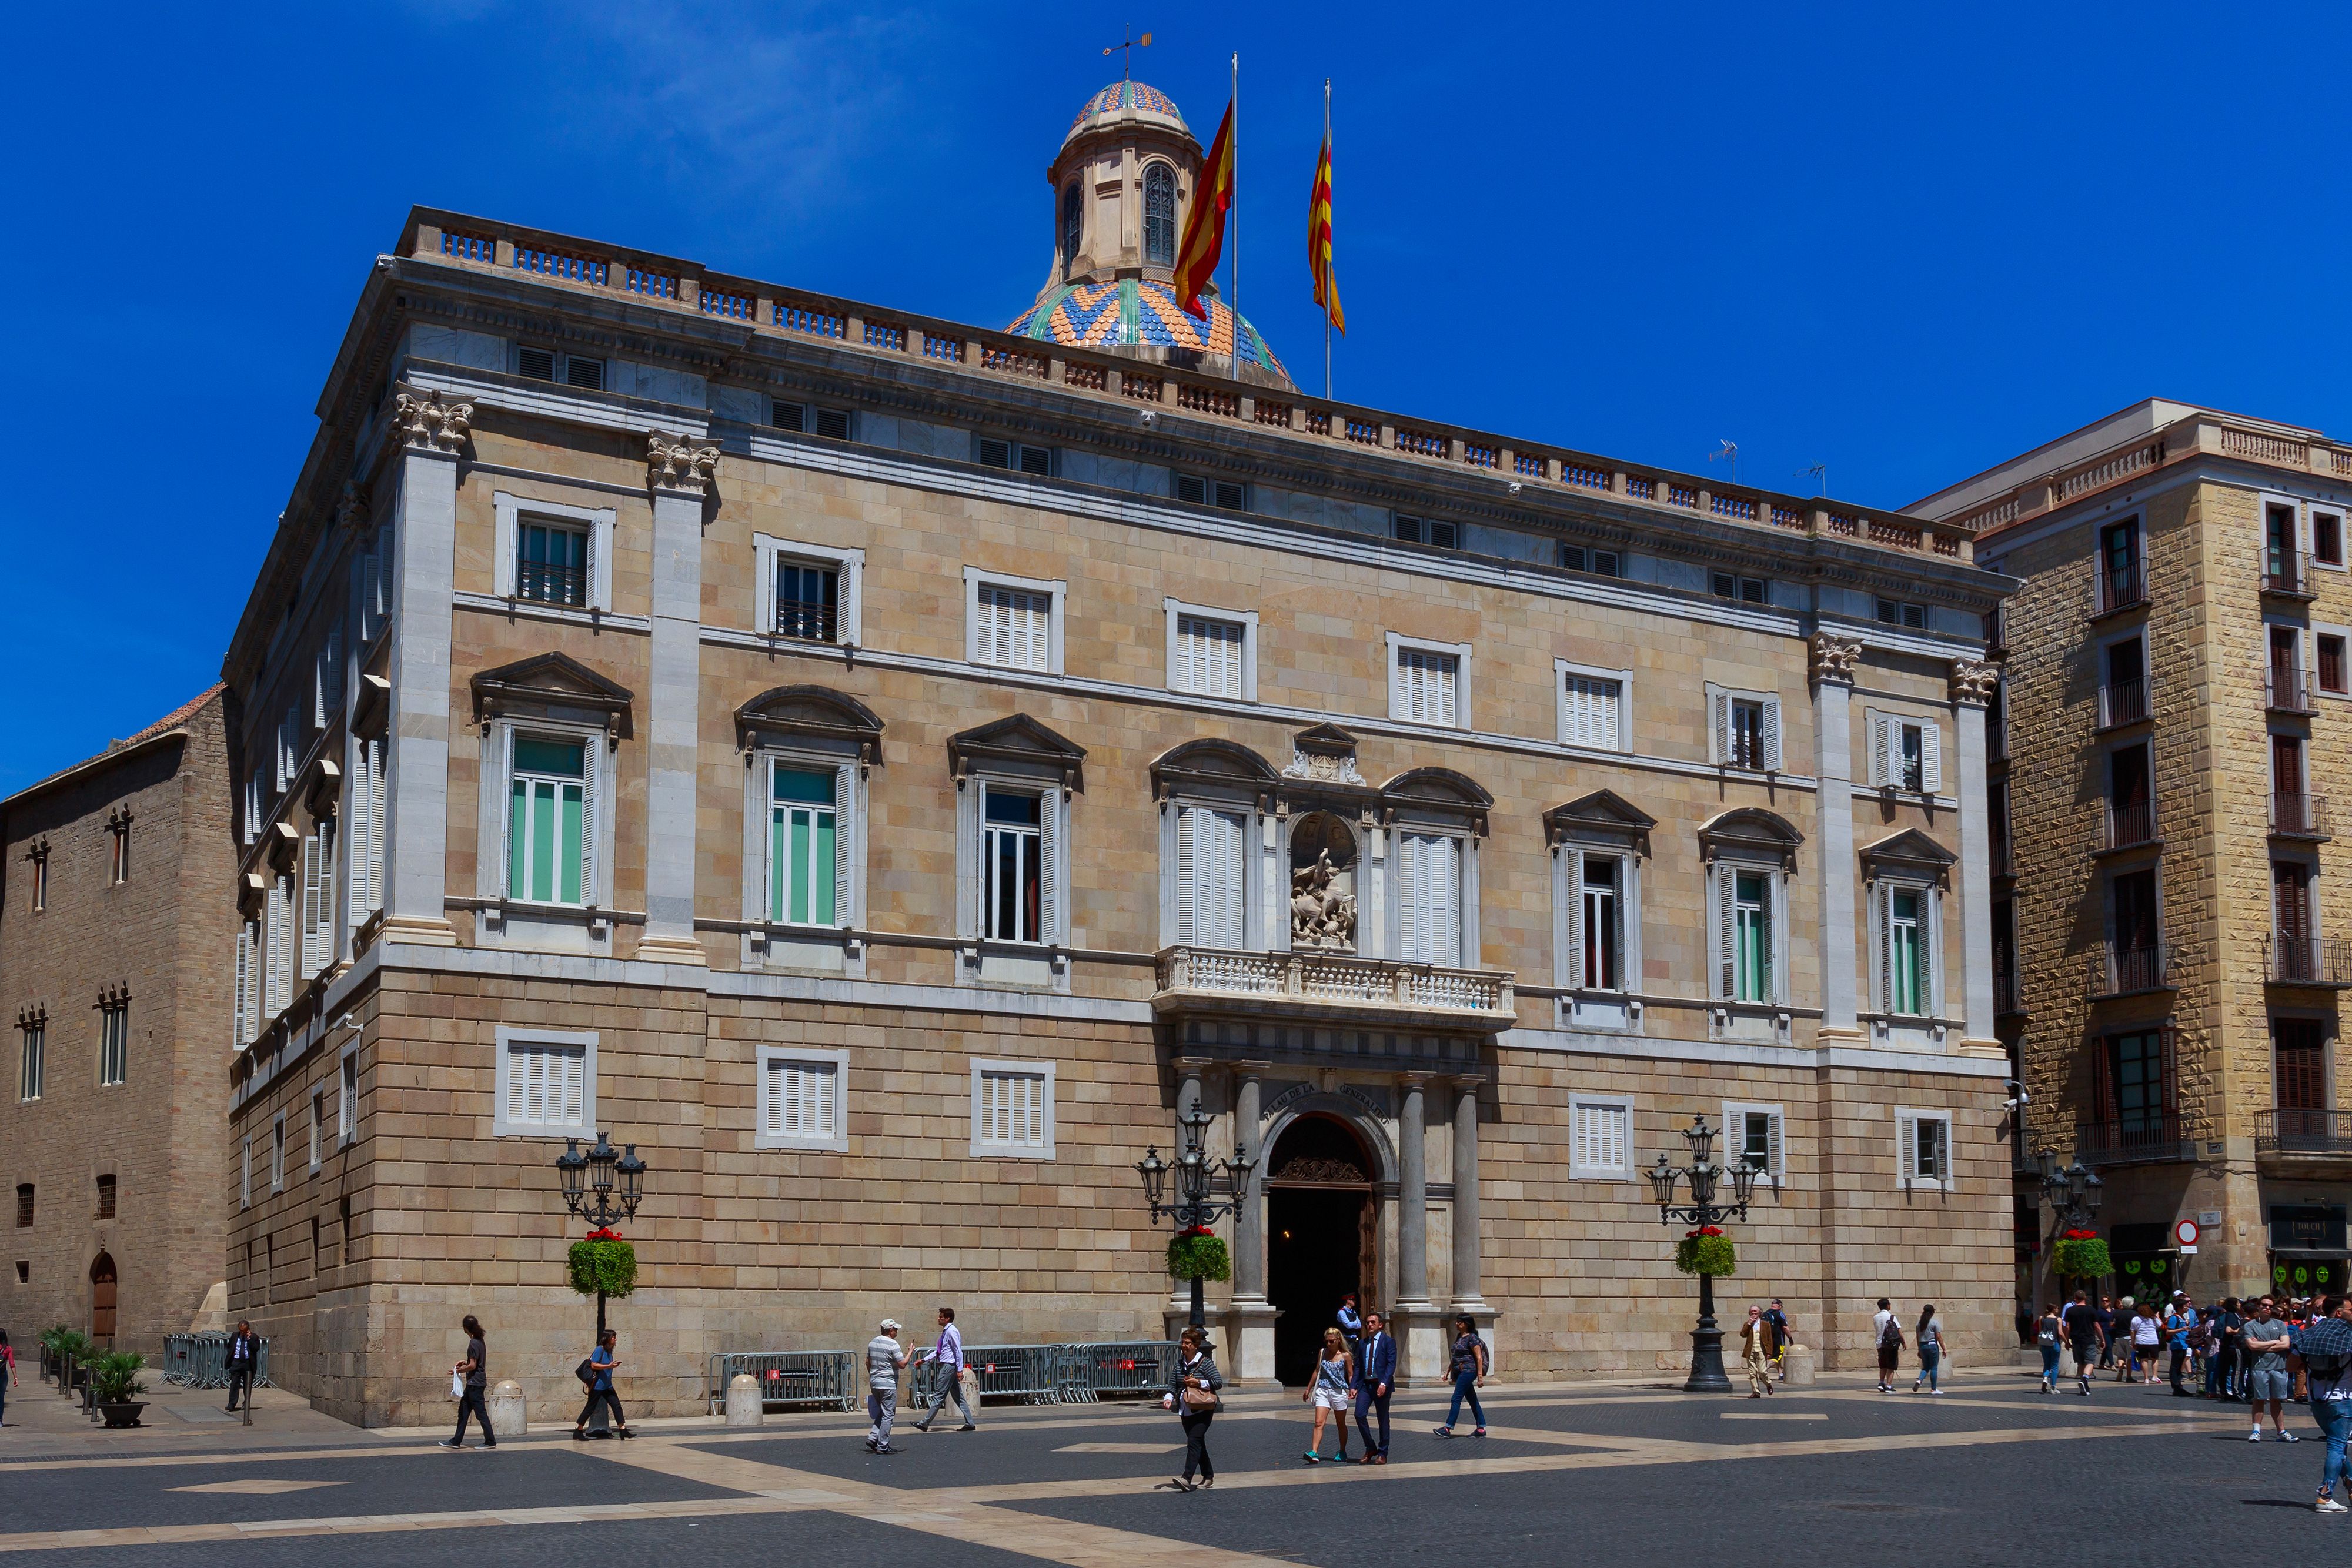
(1127, 72)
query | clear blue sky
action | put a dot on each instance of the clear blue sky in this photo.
(1906, 242)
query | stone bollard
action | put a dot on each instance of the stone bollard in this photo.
(1797, 1367)
(509, 1416)
(744, 1406)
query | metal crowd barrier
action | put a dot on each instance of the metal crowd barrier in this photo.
(1020, 1372)
(201, 1360)
(1088, 1372)
(825, 1379)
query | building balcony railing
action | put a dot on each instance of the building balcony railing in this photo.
(543, 584)
(2122, 703)
(2004, 857)
(2293, 1130)
(2125, 826)
(2127, 971)
(2007, 997)
(1334, 985)
(2288, 690)
(2300, 816)
(808, 623)
(2143, 1139)
(2120, 588)
(2287, 575)
(2325, 962)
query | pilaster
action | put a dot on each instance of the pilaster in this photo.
(1468, 1236)
(679, 475)
(1252, 1316)
(1972, 687)
(1419, 1333)
(1832, 662)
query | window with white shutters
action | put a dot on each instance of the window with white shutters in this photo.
(255, 964)
(245, 977)
(1012, 1108)
(546, 1084)
(347, 1099)
(1599, 967)
(365, 895)
(1589, 712)
(319, 897)
(1429, 898)
(1210, 876)
(808, 845)
(1209, 654)
(801, 1100)
(1015, 627)
(1752, 1136)
(550, 799)
(1745, 729)
(1601, 1138)
(1922, 1142)
(1426, 686)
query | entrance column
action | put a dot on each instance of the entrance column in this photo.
(1253, 1321)
(1833, 659)
(1419, 1333)
(1467, 1296)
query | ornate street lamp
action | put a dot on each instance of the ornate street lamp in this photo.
(2074, 1192)
(603, 1187)
(1706, 1375)
(1190, 1206)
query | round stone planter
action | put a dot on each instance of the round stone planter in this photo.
(125, 1415)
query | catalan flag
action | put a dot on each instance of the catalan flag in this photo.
(1204, 229)
(1319, 230)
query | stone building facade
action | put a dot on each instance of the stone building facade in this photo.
(884, 768)
(115, 978)
(2169, 965)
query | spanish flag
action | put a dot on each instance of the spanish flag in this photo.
(1204, 229)
(1319, 235)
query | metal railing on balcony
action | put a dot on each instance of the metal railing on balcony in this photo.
(2126, 824)
(2293, 1130)
(2288, 690)
(2147, 1137)
(2123, 971)
(543, 583)
(2122, 702)
(2006, 997)
(2300, 816)
(2288, 572)
(2323, 961)
(808, 623)
(2121, 587)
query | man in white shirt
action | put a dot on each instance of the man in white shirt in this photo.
(1886, 1333)
(884, 1359)
(947, 1369)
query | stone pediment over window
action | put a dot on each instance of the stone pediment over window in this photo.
(1323, 755)
(814, 712)
(1019, 742)
(1602, 815)
(1908, 854)
(552, 686)
(1222, 766)
(1750, 833)
(1439, 791)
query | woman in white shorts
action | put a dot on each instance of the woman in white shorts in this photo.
(2148, 1340)
(1333, 1394)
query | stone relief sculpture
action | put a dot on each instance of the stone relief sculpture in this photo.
(1322, 885)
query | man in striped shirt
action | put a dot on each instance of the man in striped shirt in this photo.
(947, 1374)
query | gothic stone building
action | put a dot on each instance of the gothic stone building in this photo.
(883, 768)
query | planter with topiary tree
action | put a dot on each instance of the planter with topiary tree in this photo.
(114, 1378)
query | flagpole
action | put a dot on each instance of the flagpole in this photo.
(1236, 303)
(1328, 290)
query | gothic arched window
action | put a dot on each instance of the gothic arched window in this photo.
(1159, 215)
(1073, 221)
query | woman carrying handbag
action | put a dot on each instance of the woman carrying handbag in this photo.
(1195, 1400)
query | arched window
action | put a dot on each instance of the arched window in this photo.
(1073, 221)
(1159, 215)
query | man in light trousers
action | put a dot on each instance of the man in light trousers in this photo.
(946, 1366)
(885, 1359)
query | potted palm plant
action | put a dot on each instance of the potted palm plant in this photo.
(74, 1350)
(116, 1378)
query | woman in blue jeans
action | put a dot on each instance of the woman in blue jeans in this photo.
(2050, 1333)
(1929, 1337)
(1468, 1369)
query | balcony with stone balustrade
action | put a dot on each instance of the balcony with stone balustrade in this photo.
(1333, 988)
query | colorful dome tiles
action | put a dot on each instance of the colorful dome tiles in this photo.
(1143, 311)
(1128, 95)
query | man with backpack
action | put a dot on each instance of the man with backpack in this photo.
(2321, 1364)
(1886, 1327)
(2086, 1337)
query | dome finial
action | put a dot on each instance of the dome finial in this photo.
(1127, 71)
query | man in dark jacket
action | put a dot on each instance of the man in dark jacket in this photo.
(1376, 1358)
(244, 1350)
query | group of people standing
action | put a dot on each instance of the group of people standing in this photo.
(2234, 1349)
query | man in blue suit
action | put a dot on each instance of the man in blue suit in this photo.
(1376, 1358)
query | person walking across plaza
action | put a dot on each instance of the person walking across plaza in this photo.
(1756, 1348)
(2049, 1331)
(243, 1353)
(2267, 1341)
(1886, 1329)
(1376, 1359)
(2107, 1312)
(1468, 1368)
(2083, 1337)
(1195, 1400)
(1931, 1337)
(947, 1374)
(602, 1362)
(473, 1378)
(7, 1374)
(1776, 1322)
(2322, 1362)
(1332, 1393)
(885, 1359)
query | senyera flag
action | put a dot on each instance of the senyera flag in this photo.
(1318, 239)
(1204, 230)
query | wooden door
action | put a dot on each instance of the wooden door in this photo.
(101, 1299)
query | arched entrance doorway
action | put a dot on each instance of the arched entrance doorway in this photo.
(101, 1299)
(1320, 1226)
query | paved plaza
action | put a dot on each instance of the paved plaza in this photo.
(1606, 1474)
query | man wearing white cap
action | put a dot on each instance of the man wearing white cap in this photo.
(884, 1358)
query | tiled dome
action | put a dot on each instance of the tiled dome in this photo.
(1127, 95)
(1142, 311)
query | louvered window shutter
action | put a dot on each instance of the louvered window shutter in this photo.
(1446, 868)
(1726, 909)
(1940, 1140)
(776, 1112)
(1184, 672)
(1931, 951)
(1579, 1136)
(1882, 903)
(355, 889)
(1573, 867)
(1882, 748)
(1232, 924)
(377, 776)
(573, 1062)
(843, 835)
(255, 959)
(244, 979)
(1050, 810)
(1618, 1119)
(371, 597)
(1931, 756)
(1774, 1161)
(1771, 735)
(996, 646)
(517, 1085)
(592, 772)
(326, 918)
(1400, 691)
(1906, 1145)
(512, 804)
(1722, 703)
(1187, 871)
(1411, 874)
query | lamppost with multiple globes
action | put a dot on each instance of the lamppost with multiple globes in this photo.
(603, 1187)
(1190, 1205)
(1706, 1375)
(2073, 1192)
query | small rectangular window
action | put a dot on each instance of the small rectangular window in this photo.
(1428, 686)
(833, 423)
(807, 419)
(1429, 531)
(536, 364)
(1015, 627)
(801, 1100)
(1208, 655)
(543, 1086)
(245, 1188)
(40, 881)
(1600, 1139)
(347, 1099)
(24, 1205)
(547, 826)
(586, 374)
(32, 1067)
(106, 1198)
(1591, 711)
(551, 564)
(2333, 677)
(1225, 495)
(278, 1154)
(1013, 1107)
(1745, 590)
(1037, 461)
(785, 415)
(808, 601)
(1583, 558)
(1746, 735)
(1927, 1152)
(119, 873)
(1011, 854)
(318, 1125)
(113, 1043)
(2327, 538)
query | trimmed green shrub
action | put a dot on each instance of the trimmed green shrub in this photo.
(610, 1265)
(1193, 1257)
(2082, 1257)
(1705, 1251)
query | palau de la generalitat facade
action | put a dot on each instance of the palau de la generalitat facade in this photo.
(883, 768)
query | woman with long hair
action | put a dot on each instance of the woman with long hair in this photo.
(1931, 1337)
(472, 1380)
(1195, 1400)
(1468, 1366)
(1332, 1393)
(2049, 1334)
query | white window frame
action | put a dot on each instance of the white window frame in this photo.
(245, 1176)
(1885, 733)
(1465, 889)
(983, 1065)
(347, 1095)
(278, 1152)
(1567, 900)
(1176, 893)
(1245, 619)
(849, 835)
(512, 511)
(318, 1127)
(1881, 890)
(1734, 1135)
(1054, 827)
(770, 550)
(1056, 593)
(2343, 516)
(1579, 1169)
(1906, 1149)
(1718, 727)
(2328, 628)
(506, 1038)
(1562, 669)
(838, 1142)
(1722, 876)
(598, 759)
(1396, 641)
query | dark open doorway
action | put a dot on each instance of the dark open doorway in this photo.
(1319, 1237)
(101, 1300)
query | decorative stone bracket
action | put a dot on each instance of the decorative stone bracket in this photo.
(676, 465)
(1974, 683)
(429, 422)
(1832, 657)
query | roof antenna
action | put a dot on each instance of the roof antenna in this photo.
(1820, 475)
(1731, 450)
(1130, 45)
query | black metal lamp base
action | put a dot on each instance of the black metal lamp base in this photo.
(1706, 1375)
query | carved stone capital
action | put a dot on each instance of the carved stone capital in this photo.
(1973, 683)
(429, 422)
(675, 464)
(1834, 657)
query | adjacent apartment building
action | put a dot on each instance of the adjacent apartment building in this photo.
(115, 954)
(2169, 957)
(883, 768)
